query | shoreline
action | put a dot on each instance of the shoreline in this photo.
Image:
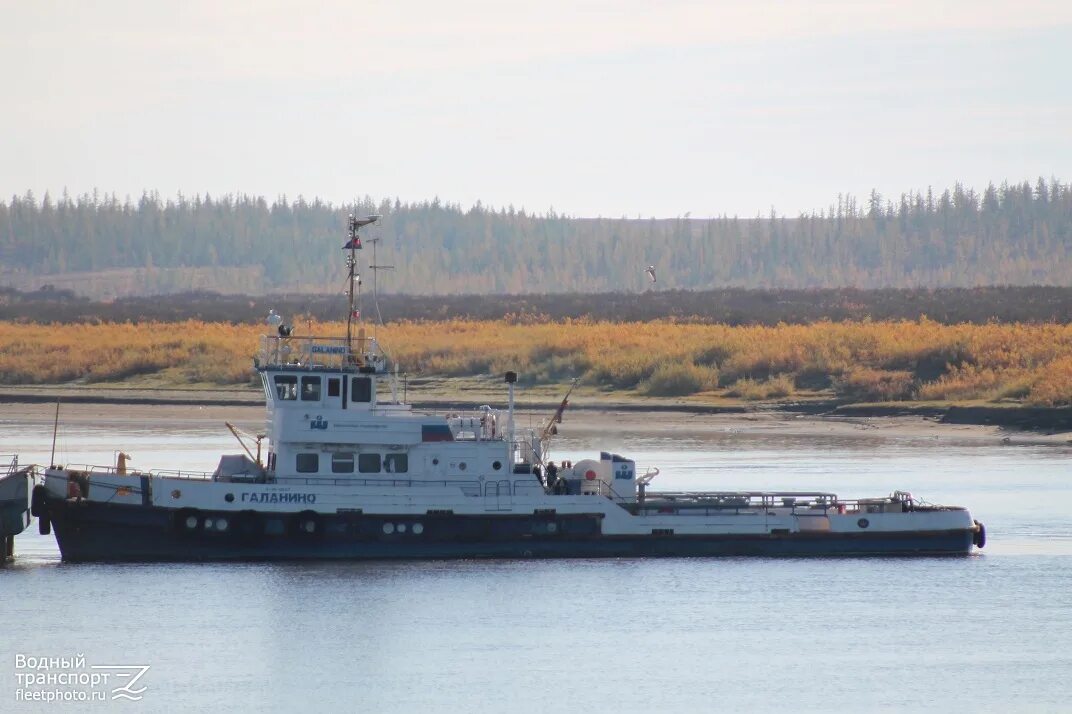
(1052, 420)
(599, 420)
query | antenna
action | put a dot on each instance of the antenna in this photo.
(375, 268)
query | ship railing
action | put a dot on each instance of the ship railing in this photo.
(100, 469)
(704, 502)
(154, 473)
(794, 501)
(599, 487)
(181, 474)
(9, 464)
(470, 488)
(320, 352)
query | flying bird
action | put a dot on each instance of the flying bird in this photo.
(651, 272)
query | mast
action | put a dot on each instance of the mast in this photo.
(55, 429)
(510, 378)
(353, 245)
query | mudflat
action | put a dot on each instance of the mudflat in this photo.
(579, 422)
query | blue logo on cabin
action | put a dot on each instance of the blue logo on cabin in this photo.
(623, 473)
(319, 423)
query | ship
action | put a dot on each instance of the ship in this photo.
(16, 486)
(348, 470)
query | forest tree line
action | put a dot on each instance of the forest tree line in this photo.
(1013, 234)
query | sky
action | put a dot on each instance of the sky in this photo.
(616, 108)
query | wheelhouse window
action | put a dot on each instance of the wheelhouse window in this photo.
(368, 463)
(333, 387)
(361, 390)
(310, 389)
(342, 463)
(396, 463)
(286, 387)
(308, 463)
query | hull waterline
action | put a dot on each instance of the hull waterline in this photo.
(101, 532)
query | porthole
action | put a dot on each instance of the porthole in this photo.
(552, 528)
(309, 526)
(863, 523)
(221, 524)
(191, 522)
(461, 466)
(496, 465)
(401, 527)
(388, 527)
(176, 493)
(435, 462)
(208, 524)
(418, 528)
(229, 498)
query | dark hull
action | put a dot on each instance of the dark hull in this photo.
(105, 532)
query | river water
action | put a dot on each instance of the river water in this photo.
(990, 632)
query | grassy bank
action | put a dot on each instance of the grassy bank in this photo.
(851, 361)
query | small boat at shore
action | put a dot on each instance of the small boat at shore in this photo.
(347, 470)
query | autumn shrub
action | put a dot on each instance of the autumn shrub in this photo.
(622, 371)
(1052, 386)
(215, 365)
(755, 390)
(1015, 389)
(814, 377)
(965, 382)
(767, 355)
(932, 363)
(862, 360)
(865, 384)
(557, 368)
(679, 379)
(713, 355)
